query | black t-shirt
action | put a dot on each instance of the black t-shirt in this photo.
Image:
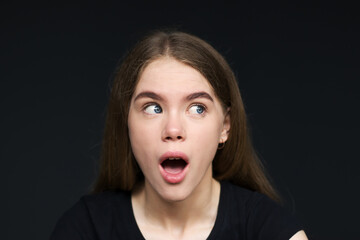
(242, 214)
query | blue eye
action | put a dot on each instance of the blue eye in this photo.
(197, 109)
(153, 109)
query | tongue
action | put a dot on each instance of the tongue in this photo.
(173, 166)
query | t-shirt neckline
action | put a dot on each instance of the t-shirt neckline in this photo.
(221, 212)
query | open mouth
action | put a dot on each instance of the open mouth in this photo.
(174, 165)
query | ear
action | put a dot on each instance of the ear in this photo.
(226, 127)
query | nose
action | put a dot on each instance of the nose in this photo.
(173, 128)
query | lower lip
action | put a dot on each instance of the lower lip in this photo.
(174, 178)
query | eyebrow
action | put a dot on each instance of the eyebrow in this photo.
(148, 95)
(199, 95)
(192, 96)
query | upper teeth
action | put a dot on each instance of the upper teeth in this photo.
(174, 158)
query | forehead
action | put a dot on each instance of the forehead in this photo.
(168, 73)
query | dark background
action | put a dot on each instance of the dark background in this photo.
(297, 64)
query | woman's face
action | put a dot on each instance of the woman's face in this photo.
(175, 125)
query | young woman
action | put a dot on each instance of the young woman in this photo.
(177, 161)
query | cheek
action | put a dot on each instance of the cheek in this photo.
(138, 132)
(135, 128)
(142, 139)
(206, 136)
(140, 135)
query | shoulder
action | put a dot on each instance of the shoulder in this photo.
(101, 205)
(236, 191)
(241, 197)
(108, 199)
(263, 218)
(250, 201)
(91, 214)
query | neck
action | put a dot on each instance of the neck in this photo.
(198, 209)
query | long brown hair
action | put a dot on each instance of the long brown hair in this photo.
(237, 162)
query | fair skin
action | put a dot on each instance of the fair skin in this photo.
(172, 109)
(175, 125)
(300, 235)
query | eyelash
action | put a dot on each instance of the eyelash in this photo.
(196, 104)
(199, 105)
(149, 105)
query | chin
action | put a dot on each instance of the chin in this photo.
(173, 193)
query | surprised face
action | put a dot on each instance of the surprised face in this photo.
(175, 125)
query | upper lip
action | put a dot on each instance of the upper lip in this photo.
(174, 154)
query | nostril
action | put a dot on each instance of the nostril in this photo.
(170, 138)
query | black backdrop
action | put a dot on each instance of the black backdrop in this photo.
(297, 65)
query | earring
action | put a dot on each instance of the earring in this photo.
(221, 145)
